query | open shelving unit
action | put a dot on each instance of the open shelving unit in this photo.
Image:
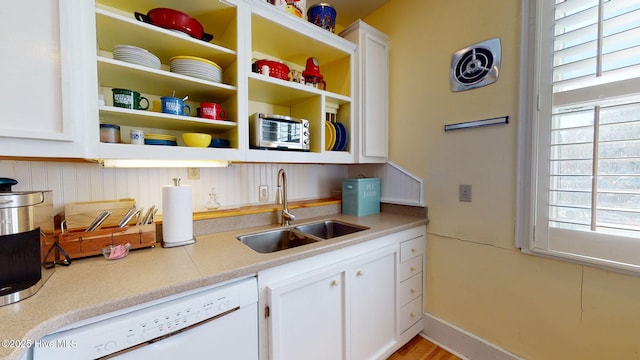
(244, 31)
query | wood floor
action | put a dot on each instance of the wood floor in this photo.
(420, 348)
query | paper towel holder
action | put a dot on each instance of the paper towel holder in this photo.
(190, 239)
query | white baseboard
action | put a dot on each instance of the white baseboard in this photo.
(461, 342)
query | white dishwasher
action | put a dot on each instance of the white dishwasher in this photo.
(218, 322)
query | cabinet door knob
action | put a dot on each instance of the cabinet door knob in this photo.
(413, 291)
(335, 282)
(412, 315)
(360, 273)
(413, 250)
(412, 269)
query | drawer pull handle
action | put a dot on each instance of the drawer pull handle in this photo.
(412, 269)
(335, 283)
(413, 291)
(412, 315)
(360, 273)
(413, 250)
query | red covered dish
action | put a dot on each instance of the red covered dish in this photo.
(276, 69)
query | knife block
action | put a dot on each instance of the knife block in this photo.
(78, 215)
(79, 244)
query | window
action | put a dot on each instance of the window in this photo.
(579, 162)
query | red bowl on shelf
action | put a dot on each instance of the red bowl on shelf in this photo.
(277, 69)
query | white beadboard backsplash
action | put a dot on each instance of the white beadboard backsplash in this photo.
(236, 185)
(398, 185)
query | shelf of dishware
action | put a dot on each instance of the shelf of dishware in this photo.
(115, 27)
(276, 32)
(281, 37)
(119, 74)
(276, 41)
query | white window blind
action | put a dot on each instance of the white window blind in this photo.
(586, 142)
(595, 42)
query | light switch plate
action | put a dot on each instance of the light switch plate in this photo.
(465, 193)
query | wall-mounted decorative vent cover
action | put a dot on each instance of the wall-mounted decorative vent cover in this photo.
(475, 66)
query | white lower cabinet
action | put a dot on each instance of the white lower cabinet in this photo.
(307, 317)
(346, 304)
(372, 302)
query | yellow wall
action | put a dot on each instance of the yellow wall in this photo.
(476, 279)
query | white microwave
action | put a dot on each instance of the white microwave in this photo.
(279, 132)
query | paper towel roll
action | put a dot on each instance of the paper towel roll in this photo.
(177, 222)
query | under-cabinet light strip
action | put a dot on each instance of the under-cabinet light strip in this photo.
(138, 163)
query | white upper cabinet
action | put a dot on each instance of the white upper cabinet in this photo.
(60, 72)
(43, 83)
(372, 92)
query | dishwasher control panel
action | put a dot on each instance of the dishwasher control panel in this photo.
(120, 332)
(189, 312)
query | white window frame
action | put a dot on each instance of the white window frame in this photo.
(575, 246)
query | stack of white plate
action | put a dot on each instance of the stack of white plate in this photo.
(136, 55)
(196, 67)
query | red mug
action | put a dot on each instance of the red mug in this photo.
(212, 111)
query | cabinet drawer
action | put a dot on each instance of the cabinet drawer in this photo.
(410, 289)
(411, 248)
(409, 268)
(410, 314)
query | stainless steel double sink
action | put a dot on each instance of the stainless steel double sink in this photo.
(286, 238)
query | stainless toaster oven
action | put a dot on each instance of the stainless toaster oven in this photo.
(269, 131)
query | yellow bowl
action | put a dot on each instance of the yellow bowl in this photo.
(196, 139)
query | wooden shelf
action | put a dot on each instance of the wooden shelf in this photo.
(120, 74)
(294, 40)
(286, 93)
(151, 119)
(128, 151)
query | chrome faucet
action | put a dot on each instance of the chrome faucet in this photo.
(281, 198)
